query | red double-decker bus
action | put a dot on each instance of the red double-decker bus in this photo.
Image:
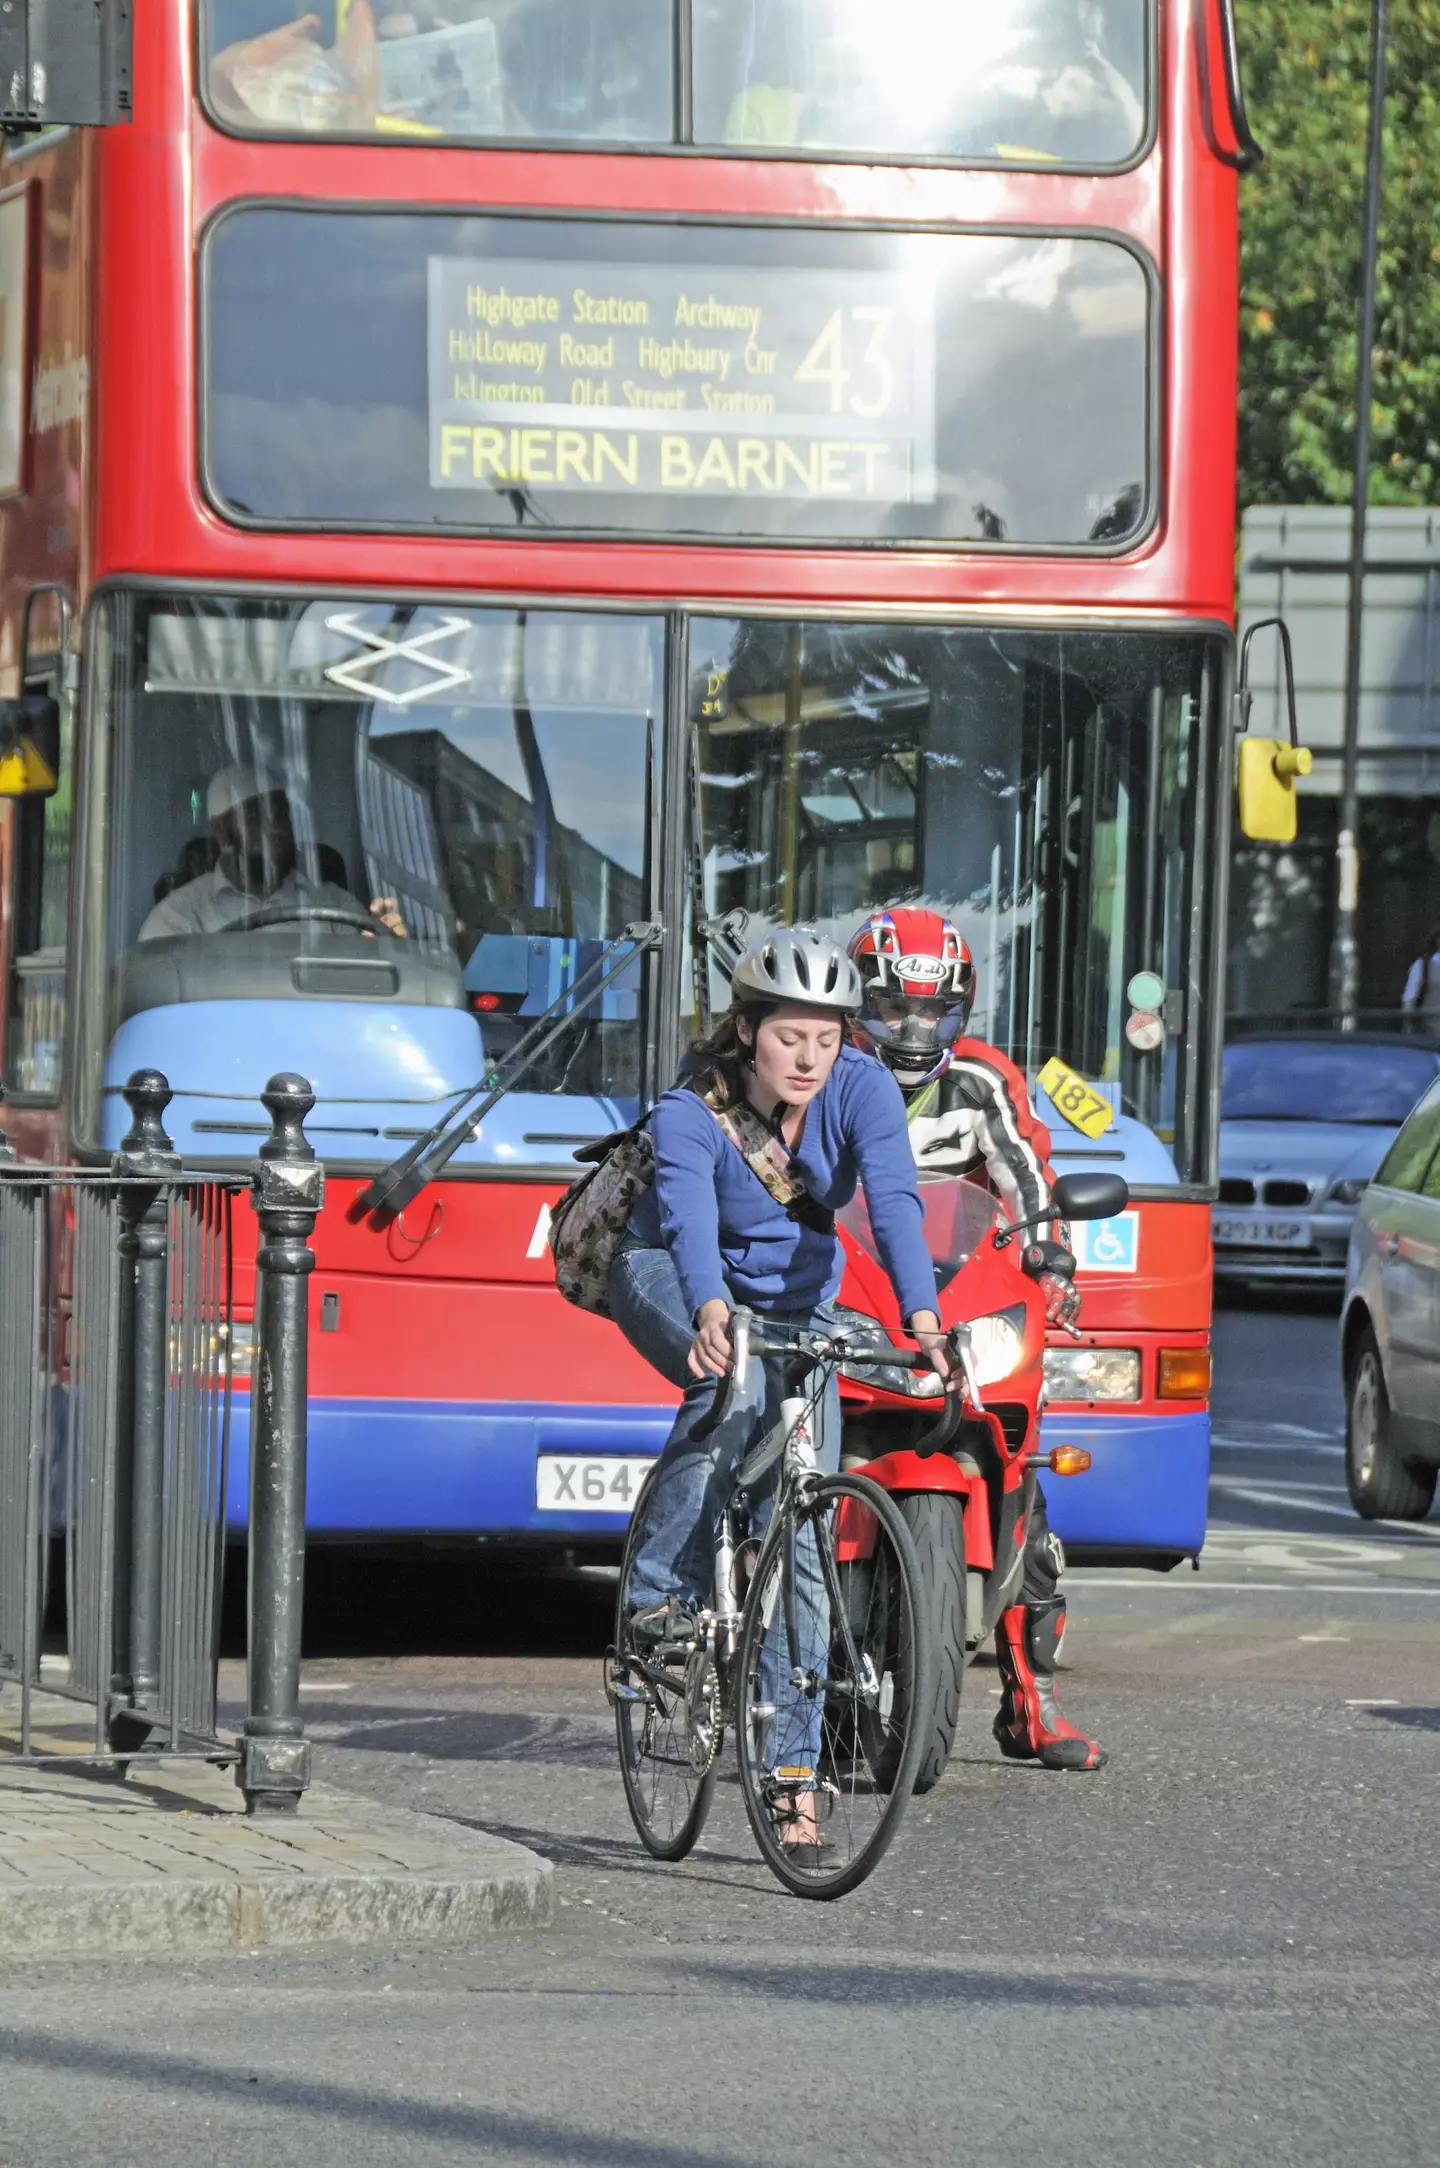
(493, 478)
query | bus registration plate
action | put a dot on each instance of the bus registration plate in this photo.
(588, 1483)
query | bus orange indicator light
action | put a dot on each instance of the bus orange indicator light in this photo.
(1068, 1460)
(1184, 1373)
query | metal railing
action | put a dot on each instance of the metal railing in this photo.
(115, 1383)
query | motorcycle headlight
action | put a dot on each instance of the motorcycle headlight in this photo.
(997, 1343)
(862, 1331)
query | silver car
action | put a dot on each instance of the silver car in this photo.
(1390, 1328)
(1305, 1119)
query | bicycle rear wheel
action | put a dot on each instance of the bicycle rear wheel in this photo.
(815, 1656)
(667, 1723)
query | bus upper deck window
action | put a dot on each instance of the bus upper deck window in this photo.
(1031, 81)
(546, 69)
(1042, 82)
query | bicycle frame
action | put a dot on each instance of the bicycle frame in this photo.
(792, 1438)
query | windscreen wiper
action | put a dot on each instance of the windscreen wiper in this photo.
(399, 1184)
(720, 939)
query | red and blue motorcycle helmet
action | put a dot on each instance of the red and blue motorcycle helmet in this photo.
(918, 980)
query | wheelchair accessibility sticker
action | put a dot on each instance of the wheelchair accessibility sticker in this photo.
(1108, 1245)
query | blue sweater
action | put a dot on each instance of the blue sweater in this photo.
(732, 1242)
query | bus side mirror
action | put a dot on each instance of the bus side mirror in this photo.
(1267, 767)
(29, 746)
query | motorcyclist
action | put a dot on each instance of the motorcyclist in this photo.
(970, 1114)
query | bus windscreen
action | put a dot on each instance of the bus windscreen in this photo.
(766, 383)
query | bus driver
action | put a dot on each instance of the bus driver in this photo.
(257, 866)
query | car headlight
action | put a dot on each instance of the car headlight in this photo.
(862, 1331)
(997, 1343)
(1350, 1190)
(1092, 1373)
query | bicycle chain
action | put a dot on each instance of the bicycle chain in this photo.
(703, 1731)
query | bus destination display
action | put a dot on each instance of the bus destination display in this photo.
(655, 379)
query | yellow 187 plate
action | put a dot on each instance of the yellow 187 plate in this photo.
(1082, 1107)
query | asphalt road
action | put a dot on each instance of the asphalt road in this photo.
(1219, 1951)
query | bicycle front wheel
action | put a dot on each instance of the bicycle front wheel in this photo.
(667, 1722)
(823, 1648)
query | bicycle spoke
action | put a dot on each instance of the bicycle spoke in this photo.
(832, 1655)
(667, 1728)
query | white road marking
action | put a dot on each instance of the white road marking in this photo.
(1424, 1539)
(1322, 1637)
(1258, 1427)
(1201, 1585)
(1294, 1499)
(1222, 1444)
(1297, 1552)
(1379, 1701)
(1255, 1497)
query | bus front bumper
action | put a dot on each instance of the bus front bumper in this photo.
(1145, 1490)
(413, 1468)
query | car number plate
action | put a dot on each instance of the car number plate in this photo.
(589, 1482)
(1270, 1234)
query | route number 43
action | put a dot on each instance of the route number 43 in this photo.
(858, 336)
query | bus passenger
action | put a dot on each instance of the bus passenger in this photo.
(969, 1113)
(256, 867)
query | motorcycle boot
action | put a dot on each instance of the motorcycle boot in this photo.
(1030, 1725)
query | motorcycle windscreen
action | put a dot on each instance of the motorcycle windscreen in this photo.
(958, 1215)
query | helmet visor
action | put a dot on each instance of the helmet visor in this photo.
(922, 1023)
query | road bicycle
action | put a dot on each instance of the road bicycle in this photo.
(814, 1650)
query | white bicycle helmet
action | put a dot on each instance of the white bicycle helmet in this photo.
(795, 963)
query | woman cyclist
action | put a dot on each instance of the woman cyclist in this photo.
(712, 1234)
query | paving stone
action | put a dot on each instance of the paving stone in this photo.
(169, 1861)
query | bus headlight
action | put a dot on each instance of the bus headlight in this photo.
(997, 1343)
(862, 1331)
(1092, 1373)
(240, 1349)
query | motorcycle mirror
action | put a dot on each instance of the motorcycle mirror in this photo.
(1090, 1196)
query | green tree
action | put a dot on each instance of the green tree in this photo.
(1306, 68)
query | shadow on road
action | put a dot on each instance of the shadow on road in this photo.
(413, 1602)
(1277, 1301)
(1412, 1719)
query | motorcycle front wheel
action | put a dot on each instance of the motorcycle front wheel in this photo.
(936, 1521)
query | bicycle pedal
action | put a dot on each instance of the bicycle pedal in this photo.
(617, 1682)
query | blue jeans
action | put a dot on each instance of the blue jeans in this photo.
(682, 1523)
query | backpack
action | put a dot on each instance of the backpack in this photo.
(588, 1224)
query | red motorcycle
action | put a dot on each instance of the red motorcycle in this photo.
(960, 1461)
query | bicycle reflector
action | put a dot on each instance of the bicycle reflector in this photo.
(1183, 1373)
(1068, 1460)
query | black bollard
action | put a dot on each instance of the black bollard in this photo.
(287, 1193)
(145, 1161)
